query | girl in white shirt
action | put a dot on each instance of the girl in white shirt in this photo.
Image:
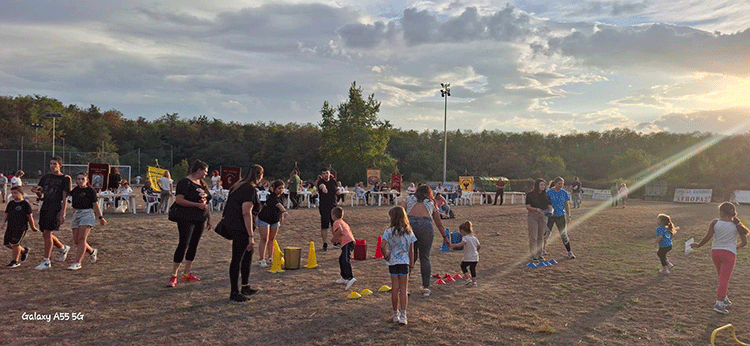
(471, 252)
(724, 230)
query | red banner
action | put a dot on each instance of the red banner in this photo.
(230, 176)
(396, 182)
(98, 175)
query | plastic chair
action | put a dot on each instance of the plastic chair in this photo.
(152, 201)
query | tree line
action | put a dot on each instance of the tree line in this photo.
(351, 138)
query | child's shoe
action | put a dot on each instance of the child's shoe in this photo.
(262, 264)
(46, 264)
(664, 271)
(727, 302)
(721, 308)
(342, 281)
(13, 264)
(350, 282)
(94, 256)
(571, 255)
(396, 316)
(25, 253)
(75, 266)
(237, 297)
(402, 318)
(670, 265)
(172, 281)
(248, 291)
(190, 277)
(63, 253)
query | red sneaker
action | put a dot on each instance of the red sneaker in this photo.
(172, 281)
(190, 277)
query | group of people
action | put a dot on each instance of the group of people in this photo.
(53, 189)
(547, 206)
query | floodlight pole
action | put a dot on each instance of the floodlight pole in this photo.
(54, 117)
(445, 92)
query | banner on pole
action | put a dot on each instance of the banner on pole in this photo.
(98, 175)
(396, 182)
(230, 175)
(154, 173)
(373, 177)
(466, 183)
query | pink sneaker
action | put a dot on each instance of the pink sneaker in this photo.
(190, 277)
(172, 281)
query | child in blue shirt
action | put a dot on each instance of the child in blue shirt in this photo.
(561, 217)
(398, 251)
(664, 234)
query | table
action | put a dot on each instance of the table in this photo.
(102, 196)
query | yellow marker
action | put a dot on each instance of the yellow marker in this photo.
(277, 262)
(354, 295)
(366, 292)
(312, 262)
(384, 288)
(730, 327)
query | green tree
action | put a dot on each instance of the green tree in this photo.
(353, 138)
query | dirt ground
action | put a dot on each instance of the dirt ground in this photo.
(610, 295)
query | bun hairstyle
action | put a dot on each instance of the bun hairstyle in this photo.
(728, 209)
(666, 221)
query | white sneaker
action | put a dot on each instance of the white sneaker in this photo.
(262, 264)
(75, 266)
(396, 316)
(571, 255)
(721, 308)
(94, 256)
(63, 253)
(342, 281)
(350, 283)
(402, 318)
(46, 264)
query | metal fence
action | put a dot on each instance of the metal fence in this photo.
(35, 163)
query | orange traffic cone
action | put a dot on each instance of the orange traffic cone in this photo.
(439, 282)
(378, 252)
(312, 262)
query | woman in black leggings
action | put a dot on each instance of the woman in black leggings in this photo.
(239, 217)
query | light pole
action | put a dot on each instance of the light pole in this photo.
(36, 127)
(445, 92)
(54, 116)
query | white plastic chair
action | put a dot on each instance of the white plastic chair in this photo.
(151, 201)
(465, 197)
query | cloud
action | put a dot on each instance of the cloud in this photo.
(657, 46)
(730, 120)
(613, 8)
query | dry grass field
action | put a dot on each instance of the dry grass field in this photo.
(610, 295)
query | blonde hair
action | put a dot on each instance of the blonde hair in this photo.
(399, 221)
(666, 221)
(466, 227)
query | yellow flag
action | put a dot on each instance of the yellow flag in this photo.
(467, 183)
(154, 173)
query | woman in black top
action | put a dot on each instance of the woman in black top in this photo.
(537, 202)
(269, 220)
(192, 215)
(239, 216)
(114, 179)
(86, 207)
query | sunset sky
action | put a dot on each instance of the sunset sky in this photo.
(546, 66)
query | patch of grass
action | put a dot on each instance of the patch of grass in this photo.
(635, 300)
(622, 333)
(618, 307)
(547, 330)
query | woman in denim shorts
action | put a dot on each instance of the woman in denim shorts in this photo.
(269, 220)
(84, 219)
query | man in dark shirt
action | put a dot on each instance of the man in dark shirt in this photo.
(55, 188)
(327, 191)
(576, 192)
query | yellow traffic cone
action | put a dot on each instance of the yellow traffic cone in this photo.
(312, 262)
(366, 292)
(276, 249)
(276, 265)
(354, 295)
(384, 288)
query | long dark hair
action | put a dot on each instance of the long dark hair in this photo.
(536, 186)
(423, 192)
(254, 173)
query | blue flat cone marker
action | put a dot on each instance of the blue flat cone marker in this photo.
(541, 264)
(552, 262)
(547, 263)
(531, 265)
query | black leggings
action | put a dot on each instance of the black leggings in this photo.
(472, 266)
(499, 193)
(240, 259)
(662, 253)
(190, 235)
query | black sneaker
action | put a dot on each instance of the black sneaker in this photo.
(325, 246)
(246, 290)
(13, 264)
(25, 253)
(237, 297)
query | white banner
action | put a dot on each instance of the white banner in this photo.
(596, 194)
(741, 196)
(693, 195)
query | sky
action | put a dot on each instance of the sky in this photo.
(526, 65)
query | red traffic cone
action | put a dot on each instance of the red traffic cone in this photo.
(446, 276)
(436, 276)
(439, 282)
(378, 252)
(457, 276)
(449, 279)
